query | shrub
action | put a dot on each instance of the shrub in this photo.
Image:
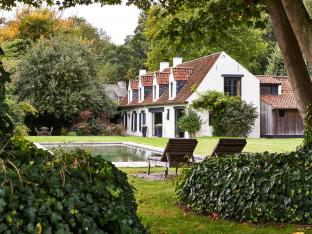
(260, 187)
(64, 193)
(231, 116)
(190, 122)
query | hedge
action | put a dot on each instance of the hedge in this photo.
(63, 193)
(259, 187)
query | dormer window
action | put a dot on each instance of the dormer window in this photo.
(269, 89)
(140, 94)
(180, 84)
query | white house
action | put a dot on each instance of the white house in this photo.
(157, 99)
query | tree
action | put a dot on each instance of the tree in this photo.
(57, 77)
(190, 122)
(291, 24)
(276, 64)
(166, 40)
(230, 116)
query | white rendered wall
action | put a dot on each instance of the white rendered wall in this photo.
(250, 88)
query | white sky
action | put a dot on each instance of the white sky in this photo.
(118, 21)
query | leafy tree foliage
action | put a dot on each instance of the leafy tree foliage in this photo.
(190, 122)
(276, 64)
(231, 116)
(57, 76)
(167, 39)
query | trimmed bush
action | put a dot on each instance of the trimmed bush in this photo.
(260, 187)
(65, 193)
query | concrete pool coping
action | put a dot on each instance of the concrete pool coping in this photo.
(41, 145)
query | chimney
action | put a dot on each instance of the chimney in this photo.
(163, 66)
(177, 61)
(142, 72)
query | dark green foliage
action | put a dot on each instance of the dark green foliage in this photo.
(65, 193)
(190, 122)
(260, 187)
(6, 124)
(58, 77)
(231, 116)
(307, 142)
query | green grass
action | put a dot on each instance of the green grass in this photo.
(157, 201)
(205, 145)
(159, 212)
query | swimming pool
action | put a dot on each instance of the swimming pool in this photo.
(119, 153)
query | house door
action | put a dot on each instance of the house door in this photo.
(179, 112)
(157, 124)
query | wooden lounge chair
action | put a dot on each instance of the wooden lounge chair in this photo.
(176, 153)
(229, 146)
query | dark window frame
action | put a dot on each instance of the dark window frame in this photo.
(230, 86)
(282, 113)
(168, 114)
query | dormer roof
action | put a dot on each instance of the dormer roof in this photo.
(182, 73)
(193, 72)
(162, 78)
(147, 80)
(134, 84)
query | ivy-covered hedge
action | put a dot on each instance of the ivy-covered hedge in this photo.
(65, 193)
(260, 187)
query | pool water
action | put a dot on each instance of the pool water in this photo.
(113, 153)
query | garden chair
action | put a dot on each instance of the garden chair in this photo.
(228, 146)
(176, 153)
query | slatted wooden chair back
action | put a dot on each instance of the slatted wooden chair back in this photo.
(229, 146)
(179, 151)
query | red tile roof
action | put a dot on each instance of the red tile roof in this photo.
(285, 101)
(134, 84)
(162, 78)
(200, 67)
(267, 79)
(182, 73)
(147, 80)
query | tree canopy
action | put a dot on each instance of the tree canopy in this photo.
(57, 76)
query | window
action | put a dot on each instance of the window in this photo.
(147, 91)
(269, 89)
(210, 119)
(140, 96)
(282, 113)
(168, 114)
(143, 118)
(129, 99)
(125, 122)
(140, 122)
(180, 84)
(232, 86)
(162, 89)
(171, 89)
(134, 94)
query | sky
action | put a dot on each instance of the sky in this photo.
(118, 21)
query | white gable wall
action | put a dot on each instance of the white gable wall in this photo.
(250, 89)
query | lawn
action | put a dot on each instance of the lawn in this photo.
(159, 212)
(206, 144)
(157, 202)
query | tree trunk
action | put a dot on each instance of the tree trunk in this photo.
(301, 24)
(293, 58)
